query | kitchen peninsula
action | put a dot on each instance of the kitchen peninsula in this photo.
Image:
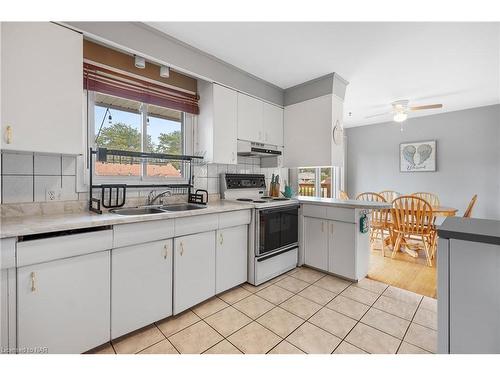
(333, 237)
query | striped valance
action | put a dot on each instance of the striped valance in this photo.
(114, 82)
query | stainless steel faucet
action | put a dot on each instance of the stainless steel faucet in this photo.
(153, 197)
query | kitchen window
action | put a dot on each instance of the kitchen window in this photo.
(322, 182)
(124, 124)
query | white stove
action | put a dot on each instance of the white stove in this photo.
(273, 231)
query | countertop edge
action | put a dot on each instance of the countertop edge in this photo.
(91, 220)
(343, 204)
(471, 229)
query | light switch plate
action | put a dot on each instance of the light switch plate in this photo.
(53, 195)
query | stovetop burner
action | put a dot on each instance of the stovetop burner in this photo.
(259, 201)
(245, 200)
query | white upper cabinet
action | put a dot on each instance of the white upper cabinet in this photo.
(217, 130)
(41, 88)
(311, 129)
(273, 125)
(259, 121)
(250, 118)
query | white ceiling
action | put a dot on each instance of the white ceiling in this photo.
(456, 64)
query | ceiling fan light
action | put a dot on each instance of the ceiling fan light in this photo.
(400, 116)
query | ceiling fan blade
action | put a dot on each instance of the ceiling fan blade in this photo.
(378, 114)
(430, 106)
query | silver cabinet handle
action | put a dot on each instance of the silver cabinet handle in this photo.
(322, 226)
(331, 228)
(221, 238)
(165, 253)
(182, 248)
(33, 288)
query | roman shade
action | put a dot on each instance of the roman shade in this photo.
(111, 72)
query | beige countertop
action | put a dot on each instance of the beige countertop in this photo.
(351, 203)
(26, 225)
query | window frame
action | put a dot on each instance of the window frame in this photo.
(143, 179)
(335, 175)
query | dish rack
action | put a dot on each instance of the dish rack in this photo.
(114, 195)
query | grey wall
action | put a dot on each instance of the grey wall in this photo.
(141, 39)
(468, 158)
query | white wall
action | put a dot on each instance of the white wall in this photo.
(468, 158)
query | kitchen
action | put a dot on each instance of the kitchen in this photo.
(161, 213)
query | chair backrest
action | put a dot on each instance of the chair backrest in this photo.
(343, 195)
(378, 216)
(412, 215)
(370, 197)
(431, 198)
(468, 211)
(389, 195)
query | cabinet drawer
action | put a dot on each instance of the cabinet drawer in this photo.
(7, 253)
(313, 210)
(43, 250)
(135, 233)
(233, 219)
(196, 224)
(341, 214)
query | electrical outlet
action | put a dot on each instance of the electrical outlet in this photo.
(53, 195)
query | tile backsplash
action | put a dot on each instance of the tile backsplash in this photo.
(26, 177)
(207, 176)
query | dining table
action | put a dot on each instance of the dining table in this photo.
(444, 211)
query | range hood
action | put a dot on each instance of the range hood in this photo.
(247, 148)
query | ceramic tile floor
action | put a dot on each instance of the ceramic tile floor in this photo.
(303, 311)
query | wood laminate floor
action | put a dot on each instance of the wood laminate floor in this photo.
(404, 271)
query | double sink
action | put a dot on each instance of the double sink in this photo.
(148, 210)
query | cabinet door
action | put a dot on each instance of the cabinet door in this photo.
(250, 112)
(273, 124)
(194, 270)
(342, 249)
(316, 243)
(141, 285)
(231, 257)
(63, 305)
(225, 125)
(42, 89)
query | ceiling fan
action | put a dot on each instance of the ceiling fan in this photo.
(401, 109)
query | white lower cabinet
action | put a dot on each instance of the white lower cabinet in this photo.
(316, 243)
(141, 285)
(341, 249)
(330, 245)
(194, 269)
(231, 257)
(63, 305)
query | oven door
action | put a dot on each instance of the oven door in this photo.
(277, 228)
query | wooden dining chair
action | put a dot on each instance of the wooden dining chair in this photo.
(343, 195)
(413, 218)
(468, 211)
(378, 222)
(431, 198)
(389, 195)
